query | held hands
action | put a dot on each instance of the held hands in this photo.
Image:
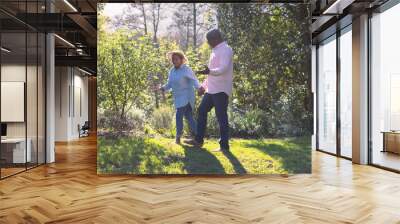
(205, 71)
(201, 91)
(159, 87)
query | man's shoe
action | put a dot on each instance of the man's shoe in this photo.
(193, 142)
(178, 140)
(220, 150)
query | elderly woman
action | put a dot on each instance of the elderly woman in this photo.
(182, 81)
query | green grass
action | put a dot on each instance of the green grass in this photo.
(161, 155)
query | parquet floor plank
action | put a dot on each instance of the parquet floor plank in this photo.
(70, 191)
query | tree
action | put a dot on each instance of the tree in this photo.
(272, 55)
(142, 18)
(122, 68)
(136, 17)
(100, 7)
(191, 21)
(132, 12)
(155, 9)
(194, 25)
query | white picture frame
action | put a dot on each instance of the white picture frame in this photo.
(12, 101)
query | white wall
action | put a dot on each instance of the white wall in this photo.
(71, 87)
(12, 73)
(327, 95)
(346, 94)
(17, 73)
(81, 89)
(62, 81)
(33, 126)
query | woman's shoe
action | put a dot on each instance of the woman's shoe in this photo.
(193, 142)
(220, 150)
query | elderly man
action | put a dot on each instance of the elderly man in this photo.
(216, 89)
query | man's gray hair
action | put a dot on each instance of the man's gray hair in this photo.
(214, 34)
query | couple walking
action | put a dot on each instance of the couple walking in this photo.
(215, 90)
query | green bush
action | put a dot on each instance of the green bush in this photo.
(137, 118)
(162, 120)
(242, 124)
(248, 124)
(117, 124)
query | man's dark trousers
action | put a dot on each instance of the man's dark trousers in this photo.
(220, 102)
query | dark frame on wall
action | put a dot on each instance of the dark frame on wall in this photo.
(326, 39)
(369, 70)
(337, 29)
(339, 32)
(382, 8)
(0, 90)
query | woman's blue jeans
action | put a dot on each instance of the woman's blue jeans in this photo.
(186, 112)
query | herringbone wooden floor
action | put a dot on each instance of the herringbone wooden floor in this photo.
(69, 191)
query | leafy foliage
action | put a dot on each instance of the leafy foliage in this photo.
(162, 120)
(272, 61)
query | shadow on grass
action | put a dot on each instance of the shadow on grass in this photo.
(132, 156)
(237, 166)
(139, 156)
(295, 153)
(200, 161)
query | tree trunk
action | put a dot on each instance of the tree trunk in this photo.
(194, 27)
(156, 20)
(187, 32)
(144, 19)
(164, 99)
(157, 99)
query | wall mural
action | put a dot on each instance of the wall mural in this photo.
(202, 88)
